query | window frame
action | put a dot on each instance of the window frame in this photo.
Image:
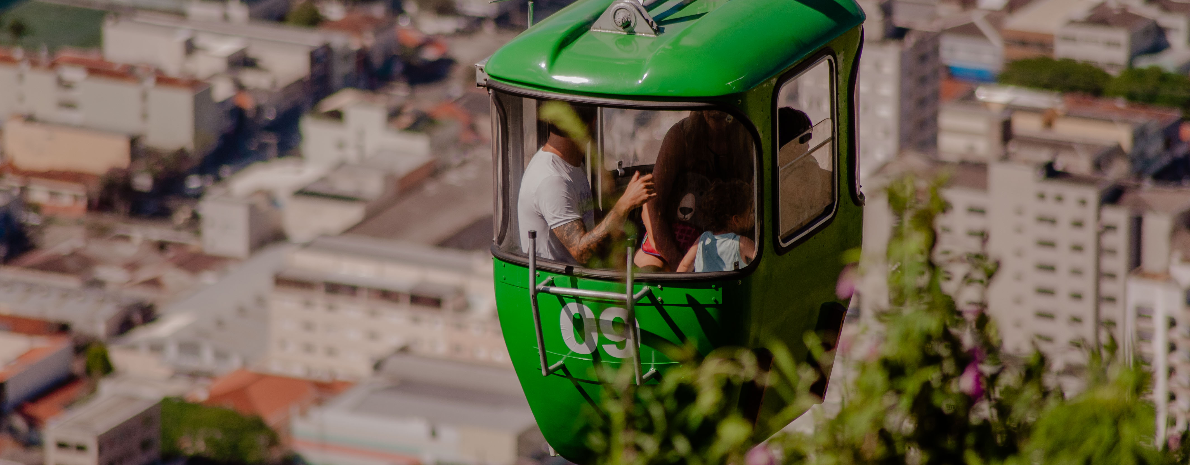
(810, 229)
(502, 212)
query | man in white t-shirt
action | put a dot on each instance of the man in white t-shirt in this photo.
(556, 197)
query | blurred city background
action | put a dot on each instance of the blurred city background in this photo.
(257, 231)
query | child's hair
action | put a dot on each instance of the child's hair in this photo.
(725, 201)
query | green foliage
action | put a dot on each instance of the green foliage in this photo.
(98, 362)
(304, 14)
(18, 29)
(1063, 75)
(937, 389)
(1151, 85)
(218, 434)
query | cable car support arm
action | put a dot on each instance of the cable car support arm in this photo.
(632, 339)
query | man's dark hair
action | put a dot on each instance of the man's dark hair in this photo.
(585, 113)
(790, 124)
(724, 201)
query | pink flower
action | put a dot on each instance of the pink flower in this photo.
(971, 381)
(845, 287)
(760, 455)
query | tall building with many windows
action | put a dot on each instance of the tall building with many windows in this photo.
(343, 303)
(1063, 241)
(898, 89)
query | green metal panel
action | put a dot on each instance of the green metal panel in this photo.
(706, 48)
(707, 315)
(791, 289)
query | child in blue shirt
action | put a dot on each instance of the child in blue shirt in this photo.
(730, 218)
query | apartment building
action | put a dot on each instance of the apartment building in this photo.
(970, 45)
(354, 125)
(980, 125)
(1063, 243)
(112, 428)
(1109, 37)
(898, 82)
(1070, 250)
(424, 410)
(1029, 32)
(31, 365)
(342, 303)
(1157, 311)
(35, 146)
(282, 67)
(164, 112)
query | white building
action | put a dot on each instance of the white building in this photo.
(970, 46)
(244, 212)
(31, 365)
(167, 113)
(115, 428)
(353, 125)
(342, 303)
(283, 66)
(216, 330)
(66, 300)
(1108, 37)
(898, 90)
(420, 410)
(1063, 243)
(1157, 321)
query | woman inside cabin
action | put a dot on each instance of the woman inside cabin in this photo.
(707, 147)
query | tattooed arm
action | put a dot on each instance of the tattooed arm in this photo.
(582, 243)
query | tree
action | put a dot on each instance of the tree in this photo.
(18, 29)
(98, 362)
(1063, 75)
(218, 434)
(304, 14)
(937, 389)
(1151, 85)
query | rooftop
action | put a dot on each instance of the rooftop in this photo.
(18, 351)
(270, 397)
(1114, 16)
(1046, 16)
(104, 413)
(440, 392)
(1117, 110)
(403, 252)
(976, 23)
(95, 65)
(256, 30)
(1076, 105)
(49, 406)
(351, 183)
(280, 178)
(358, 24)
(82, 308)
(227, 315)
(1171, 200)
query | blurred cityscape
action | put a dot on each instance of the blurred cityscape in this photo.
(258, 231)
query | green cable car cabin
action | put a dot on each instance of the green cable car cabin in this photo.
(742, 113)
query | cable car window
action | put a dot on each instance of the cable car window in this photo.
(806, 158)
(590, 178)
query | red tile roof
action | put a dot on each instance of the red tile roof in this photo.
(952, 89)
(184, 83)
(29, 326)
(356, 23)
(271, 397)
(36, 354)
(52, 404)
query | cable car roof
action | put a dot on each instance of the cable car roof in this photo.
(704, 48)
